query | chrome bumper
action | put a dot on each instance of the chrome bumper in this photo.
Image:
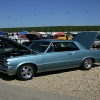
(6, 70)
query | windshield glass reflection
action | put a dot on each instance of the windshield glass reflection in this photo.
(39, 46)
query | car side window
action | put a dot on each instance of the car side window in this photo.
(65, 46)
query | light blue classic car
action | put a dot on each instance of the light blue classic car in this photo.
(46, 55)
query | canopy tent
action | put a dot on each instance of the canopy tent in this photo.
(48, 32)
(33, 32)
(1, 33)
(42, 32)
(60, 33)
(23, 32)
(53, 33)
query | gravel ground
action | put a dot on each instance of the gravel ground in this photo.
(73, 82)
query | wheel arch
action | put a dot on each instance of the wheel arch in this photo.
(88, 64)
(89, 58)
(34, 65)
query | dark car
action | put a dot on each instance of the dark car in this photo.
(32, 37)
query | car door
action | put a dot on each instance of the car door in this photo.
(57, 59)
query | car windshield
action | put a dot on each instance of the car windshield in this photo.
(39, 46)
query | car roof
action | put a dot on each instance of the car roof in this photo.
(54, 40)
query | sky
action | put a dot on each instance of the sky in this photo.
(37, 13)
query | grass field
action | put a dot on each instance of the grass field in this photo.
(52, 29)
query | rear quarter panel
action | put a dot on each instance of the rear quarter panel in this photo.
(80, 55)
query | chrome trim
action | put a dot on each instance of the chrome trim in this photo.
(10, 72)
(3, 71)
(6, 70)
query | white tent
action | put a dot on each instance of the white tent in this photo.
(53, 33)
(42, 32)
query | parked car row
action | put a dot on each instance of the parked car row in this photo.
(33, 37)
(46, 55)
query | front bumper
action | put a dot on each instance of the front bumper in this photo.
(6, 70)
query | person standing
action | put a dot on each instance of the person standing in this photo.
(11, 36)
(16, 37)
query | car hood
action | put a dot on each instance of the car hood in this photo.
(86, 38)
(14, 43)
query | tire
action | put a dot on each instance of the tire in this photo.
(87, 64)
(26, 72)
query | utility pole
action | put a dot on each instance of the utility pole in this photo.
(86, 16)
(35, 19)
(50, 19)
(21, 20)
(9, 21)
(67, 18)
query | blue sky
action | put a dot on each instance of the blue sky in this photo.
(32, 13)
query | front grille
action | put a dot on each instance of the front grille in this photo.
(2, 64)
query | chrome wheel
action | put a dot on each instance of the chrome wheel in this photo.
(87, 64)
(25, 72)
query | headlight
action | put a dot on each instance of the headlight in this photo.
(6, 63)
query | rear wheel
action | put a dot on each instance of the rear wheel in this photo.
(87, 64)
(26, 72)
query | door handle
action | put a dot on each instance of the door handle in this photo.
(69, 54)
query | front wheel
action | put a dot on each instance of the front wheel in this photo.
(26, 72)
(87, 64)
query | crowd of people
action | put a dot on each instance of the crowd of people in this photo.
(13, 36)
